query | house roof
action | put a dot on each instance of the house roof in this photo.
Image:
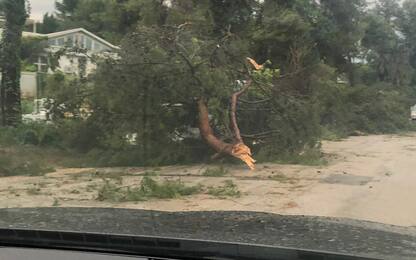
(81, 30)
(32, 34)
(66, 32)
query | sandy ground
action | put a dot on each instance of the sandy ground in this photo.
(368, 178)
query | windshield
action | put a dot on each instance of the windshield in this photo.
(291, 107)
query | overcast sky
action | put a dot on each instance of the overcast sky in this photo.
(40, 7)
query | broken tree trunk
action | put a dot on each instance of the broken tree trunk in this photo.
(237, 149)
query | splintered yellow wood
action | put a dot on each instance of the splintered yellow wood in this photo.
(243, 152)
(254, 63)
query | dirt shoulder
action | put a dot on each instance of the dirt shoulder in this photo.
(367, 178)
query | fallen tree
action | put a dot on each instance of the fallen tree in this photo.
(237, 148)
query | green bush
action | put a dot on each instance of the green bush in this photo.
(28, 106)
(8, 136)
(332, 134)
(80, 135)
(32, 133)
(229, 189)
(148, 189)
(38, 134)
(11, 165)
(376, 108)
(215, 172)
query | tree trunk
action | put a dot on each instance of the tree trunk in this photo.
(15, 13)
(236, 149)
(208, 134)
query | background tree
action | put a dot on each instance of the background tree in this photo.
(330, 69)
(49, 24)
(110, 19)
(338, 31)
(16, 14)
(66, 8)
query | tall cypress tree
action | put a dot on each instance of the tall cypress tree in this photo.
(16, 14)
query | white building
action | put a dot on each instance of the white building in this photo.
(74, 46)
(76, 43)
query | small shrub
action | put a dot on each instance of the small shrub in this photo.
(215, 172)
(150, 174)
(167, 189)
(332, 135)
(55, 202)
(28, 106)
(283, 178)
(79, 135)
(148, 189)
(8, 136)
(229, 189)
(110, 192)
(31, 133)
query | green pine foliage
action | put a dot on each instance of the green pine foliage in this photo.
(331, 69)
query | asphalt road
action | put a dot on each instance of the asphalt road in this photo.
(314, 233)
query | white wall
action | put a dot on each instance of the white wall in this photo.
(69, 64)
(28, 84)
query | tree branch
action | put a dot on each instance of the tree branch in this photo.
(238, 150)
(255, 102)
(258, 135)
(233, 114)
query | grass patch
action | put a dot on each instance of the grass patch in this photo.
(332, 135)
(14, 164)
(282, 178)
(148, 189)
(39, 142)
(55, 203)
(215, 172)
(150, 174)
(229, 189)
(309, 157)
(112, 174)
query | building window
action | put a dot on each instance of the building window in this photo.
(52, 42)
(61, 42)
(88, 43)
(42, 64)
(70, 40)
(81, 41)
(97, 46)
